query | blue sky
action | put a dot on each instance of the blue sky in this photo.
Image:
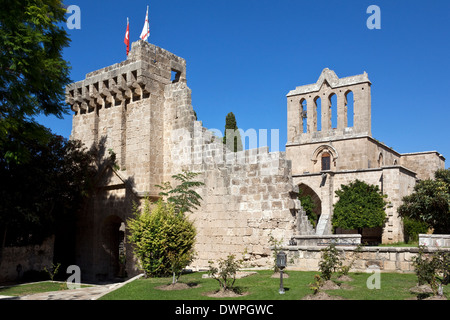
(244, 56)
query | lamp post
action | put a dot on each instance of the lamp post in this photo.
(281, 264)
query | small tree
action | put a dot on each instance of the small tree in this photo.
(432, 269)
(360, 205)
(225, 274)
(163, 239)
(430, 202)
(183, 197)
(329, 262)
(232, 137)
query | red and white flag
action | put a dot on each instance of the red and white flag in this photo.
(127, 37)
(146, 30)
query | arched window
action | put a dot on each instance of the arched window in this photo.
(304, 115)
(333, 110)
(326, 160)
(349, 101)
(318, 103)
(380, 160)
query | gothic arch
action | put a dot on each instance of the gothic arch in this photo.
(318, 107)
(380, 160)
(324, 148)
(304, 115)
(349, 108)
(327, 150)
(306, 191)
(333, 110)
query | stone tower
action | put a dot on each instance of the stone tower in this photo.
(123, 105)
(310, 109)
(330, 143)
(141, 110)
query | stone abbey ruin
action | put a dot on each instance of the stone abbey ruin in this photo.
(141, 109)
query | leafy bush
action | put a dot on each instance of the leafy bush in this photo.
(360, 205)
(163, 239)
(430, 202)
(329, 262)
(412, 228)
(315, 286)
(225, 274)
(432, 269)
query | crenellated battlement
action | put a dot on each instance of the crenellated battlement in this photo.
(146, 71)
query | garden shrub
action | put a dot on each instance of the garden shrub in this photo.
(163, 239)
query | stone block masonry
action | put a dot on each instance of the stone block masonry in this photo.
(385, 259)
(145, 115)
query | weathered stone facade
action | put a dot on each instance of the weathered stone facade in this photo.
(141, 110)
(328, 155)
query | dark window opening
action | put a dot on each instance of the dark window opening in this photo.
(175, 76)
(325, 161)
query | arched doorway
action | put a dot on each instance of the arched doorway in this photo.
(113, 236)
(311, 203)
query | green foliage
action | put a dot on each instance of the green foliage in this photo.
(430, 202)
(412, 228)
(183, 197)
(360, 205)
(329, 262)
(235, 142)
(315, 286)
(33, 73)
(308, 205)
(432, 269)
(45, 192)
(225, 273)
(163, 239)
(344, 269)
(53, 270)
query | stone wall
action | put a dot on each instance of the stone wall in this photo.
(423, 163)
(387, 259)
(394, 181)
(434, 240)
(248, 196)
(33, 257)
(147, 119)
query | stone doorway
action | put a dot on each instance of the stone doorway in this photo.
(113, 234)
(312, 203)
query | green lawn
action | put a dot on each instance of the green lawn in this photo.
(32, 288)
(263, 287)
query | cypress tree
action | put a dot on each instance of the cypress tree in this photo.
(234, 141)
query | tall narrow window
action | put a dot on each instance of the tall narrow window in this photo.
(380, 160)
(349, 100)
(304, 115)
(325, 161)
(318, 103)
(333, 111)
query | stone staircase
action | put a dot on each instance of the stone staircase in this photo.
(304, 226)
